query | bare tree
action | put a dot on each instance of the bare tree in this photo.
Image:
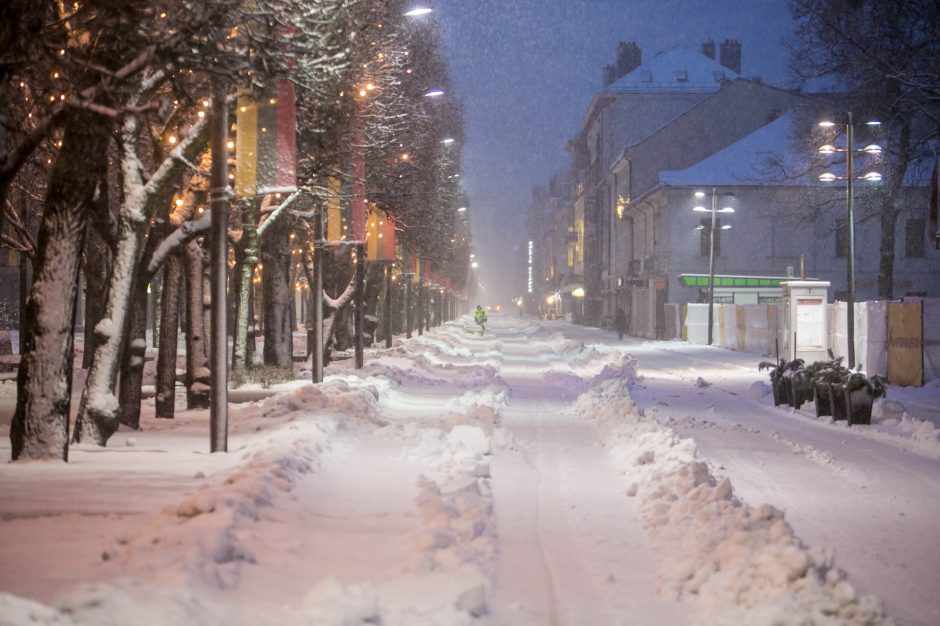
(885, 56)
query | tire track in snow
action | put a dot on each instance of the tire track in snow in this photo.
(524, 586)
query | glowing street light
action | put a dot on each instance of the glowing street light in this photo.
(417, 11)
(711, 247)
(849, 178)
(434, 93)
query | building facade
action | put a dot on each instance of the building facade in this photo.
(685, 122)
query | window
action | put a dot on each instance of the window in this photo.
(842, 239)
(704, 241)
(914, 238)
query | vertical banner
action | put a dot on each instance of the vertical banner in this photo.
(373, 217)
(358, 186)
(334, 218)
(380, 236)
(388, 240)
(266, 143)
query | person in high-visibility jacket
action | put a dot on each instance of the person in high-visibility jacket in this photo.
(480, 316)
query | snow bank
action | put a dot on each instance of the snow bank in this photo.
(205, 529)
(739, 565)
(17, 611)
(350, 396)
(418, 369)
(456, 505)
(600, 367)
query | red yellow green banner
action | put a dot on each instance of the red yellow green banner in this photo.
(266, 143)
(380, 236)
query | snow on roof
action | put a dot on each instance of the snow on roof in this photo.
(765, 156)
(680, 68)
(771, 156)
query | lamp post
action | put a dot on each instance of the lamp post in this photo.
(711, 251)
(849, 179)
(218, 243)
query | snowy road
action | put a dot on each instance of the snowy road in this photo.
(541, 475)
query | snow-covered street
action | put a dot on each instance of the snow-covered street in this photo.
(543, 474)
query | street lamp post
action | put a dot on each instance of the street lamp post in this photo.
(711, 252)
(850, 217)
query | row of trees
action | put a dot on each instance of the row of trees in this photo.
(104, 172)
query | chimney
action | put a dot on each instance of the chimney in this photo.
(730, 55)
(608, 75)
(629, 58)
(708, 49)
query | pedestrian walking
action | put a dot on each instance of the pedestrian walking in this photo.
(620, 323)
(480, 316)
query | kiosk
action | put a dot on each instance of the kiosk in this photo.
(806, 333)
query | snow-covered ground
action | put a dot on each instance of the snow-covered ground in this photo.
(541, 474)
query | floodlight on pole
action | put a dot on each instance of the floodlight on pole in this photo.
(711, 249)
(849, 178)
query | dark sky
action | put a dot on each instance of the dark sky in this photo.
(526, 70)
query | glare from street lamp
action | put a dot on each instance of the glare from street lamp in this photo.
(872, 149)
(434, 93)
(827, 124)
(727, 227)
(474, 265)
(699, 194)
(448, 140)
(701, 209)
(418, 11)
(827, 177)
(873, 177)
(873, 123)
(727, 209)
(461, 209)
(827, 149)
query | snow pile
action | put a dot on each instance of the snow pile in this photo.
(418, 369)
(206, 529)
(613, 365)
(349, 396)
(739, 564)
(17, 611)
(455, 498)
(331, 603)
(481, 407)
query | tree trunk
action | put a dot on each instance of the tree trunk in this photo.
(169, 325)
(133, 359)
(246, 259)
(44, 385)
(98, 411)
(890, 209)
(25, 274)
(275, 280)
(197, 359)
(372, 289)
(97, 264)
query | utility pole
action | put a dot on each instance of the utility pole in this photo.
(317, 301)
(408, 305)
(711, 266)
(850, 264)
(360, 301)
(388, 305)
(218, 251)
